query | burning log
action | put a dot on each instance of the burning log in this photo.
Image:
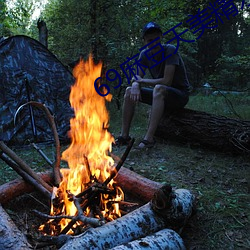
(216, 132)
(10, 237)
(165, 210)
(163, 239)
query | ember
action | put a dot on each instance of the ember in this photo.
(87, 188)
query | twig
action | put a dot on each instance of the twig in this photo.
(25, 175)
(24, 166)
(120, 163)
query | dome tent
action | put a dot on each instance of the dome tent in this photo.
(29, 71)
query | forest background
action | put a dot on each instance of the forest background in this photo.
(111, 31)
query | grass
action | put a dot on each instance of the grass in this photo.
(219, 180)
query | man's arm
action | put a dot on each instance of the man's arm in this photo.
(167, 79)
(135, 93)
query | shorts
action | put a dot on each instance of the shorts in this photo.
(174, 100)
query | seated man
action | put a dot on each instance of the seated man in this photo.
(168, 89)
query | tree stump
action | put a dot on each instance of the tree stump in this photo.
(212, 131)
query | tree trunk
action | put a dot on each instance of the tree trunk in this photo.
(212, 131)
(10, 237)
(43, 32)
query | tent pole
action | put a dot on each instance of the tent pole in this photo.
(33, 125)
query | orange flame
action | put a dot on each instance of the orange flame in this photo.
(90, 139)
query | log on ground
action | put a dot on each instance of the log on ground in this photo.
(10, 237)
(18, 187)
(131, 182)
(212, 131)
(137, 185)
(148, 219)
(163, 239)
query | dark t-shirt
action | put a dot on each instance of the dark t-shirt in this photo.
(180, 80)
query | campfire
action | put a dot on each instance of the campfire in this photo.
(87, 188)
(87, 198)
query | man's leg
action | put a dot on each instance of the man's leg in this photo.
(157, 111)
(127, 113)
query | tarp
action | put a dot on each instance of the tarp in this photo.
(29, 71)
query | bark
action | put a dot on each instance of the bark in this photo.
(140, 187)
(163, 239)
(138, 223)
(131, 182)
(18, 187)
(212, 131)
(10, 237)
(167, 209)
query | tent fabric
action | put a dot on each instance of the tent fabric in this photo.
(29, 71)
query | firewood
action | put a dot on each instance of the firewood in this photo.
(26, 176)
(10, 237)
(23, 165)
(163, 239)
(18, 187)
(136, 185)
(132, 183)
(150, 218)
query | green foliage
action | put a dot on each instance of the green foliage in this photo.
(111, 30)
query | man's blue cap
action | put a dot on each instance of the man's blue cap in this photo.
(149, 26)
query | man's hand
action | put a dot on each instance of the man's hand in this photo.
(135, 93)
(137, 78)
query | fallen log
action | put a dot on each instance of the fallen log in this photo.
(136, 185)
(18, 187)
(148, 219)
(163, 239)
(10, 237)
(212, 131)
(131, 183)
